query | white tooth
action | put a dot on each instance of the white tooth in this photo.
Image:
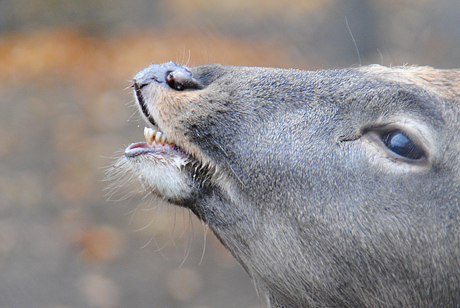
(163, 138)
(157, 137)
(148, 134)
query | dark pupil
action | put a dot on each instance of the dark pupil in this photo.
(402, 145)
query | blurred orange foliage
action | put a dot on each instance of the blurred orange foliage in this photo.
(97, 62)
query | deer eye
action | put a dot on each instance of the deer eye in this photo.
(399, 143)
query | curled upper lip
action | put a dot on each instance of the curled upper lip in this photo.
(140, 98)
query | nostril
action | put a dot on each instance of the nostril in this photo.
(176, 81)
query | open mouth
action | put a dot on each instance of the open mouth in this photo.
(158, 148)
(175, 168)
(155, 141)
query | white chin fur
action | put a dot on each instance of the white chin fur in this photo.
(162, 176)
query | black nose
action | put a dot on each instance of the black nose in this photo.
(156, 72)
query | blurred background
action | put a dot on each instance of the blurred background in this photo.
(66, 112)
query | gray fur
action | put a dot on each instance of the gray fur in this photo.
(288, 170)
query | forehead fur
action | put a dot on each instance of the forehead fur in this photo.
(445, 83)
